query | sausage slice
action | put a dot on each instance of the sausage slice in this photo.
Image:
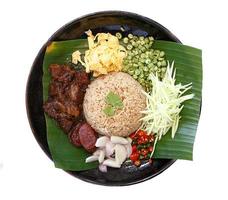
(74, 135)
(88, 137)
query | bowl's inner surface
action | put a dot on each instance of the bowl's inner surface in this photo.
(99, 22)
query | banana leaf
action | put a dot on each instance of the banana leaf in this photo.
(64, 154)
(188, 61)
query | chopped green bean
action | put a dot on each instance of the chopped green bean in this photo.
(143, 55)
(131, 72)
(142, 42)
(129, 57)
(130, 36)
(125, 40)
(135, 76)
(135, 65)
(133, 43)
(147, 61)
(141, 80)
(142, 59)
(163, 63)
(137, 72)
(162, 53)
(129, 46)
(163, 69)
(147, 46)
(135, 37)
(119, 35)
(154, 61)
(143, 49)
(147, 40)
(145, 69)
(151, 65)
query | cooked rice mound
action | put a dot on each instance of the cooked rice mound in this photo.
(126, 120)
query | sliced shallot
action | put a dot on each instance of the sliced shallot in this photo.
(101, 141)
(120, 153)
(118, 140)
(109, 149)
(101, 156)
(118, 146)
(129, 149)
(91, 159)
(111, 163)
(103, 168)
(97, 152)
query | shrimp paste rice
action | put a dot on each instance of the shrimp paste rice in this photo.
(125, 120)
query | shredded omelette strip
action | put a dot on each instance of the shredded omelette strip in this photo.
(104, 55)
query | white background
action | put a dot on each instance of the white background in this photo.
(27, 173)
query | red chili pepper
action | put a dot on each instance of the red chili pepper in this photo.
(134, 148)
(132, 135)
(144, 152)
(134, 156)
(140, 141)
(150, 149)
(137, 163)
(151, 138)
(145, 139)
(141, 133)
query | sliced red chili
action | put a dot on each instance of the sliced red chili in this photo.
(141, 133)
(144, 152)
(151, 138)
(150, 149)
(134, 148)
(134, 156)
(137, 163)
(132, 135)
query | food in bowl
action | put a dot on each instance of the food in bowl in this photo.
(117, 99)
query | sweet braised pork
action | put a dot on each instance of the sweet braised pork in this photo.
(66, 93)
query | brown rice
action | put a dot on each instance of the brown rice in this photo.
(124, 121)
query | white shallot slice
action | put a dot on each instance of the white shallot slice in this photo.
(111, 163)
(129, 140)
(109, 149)
(120, 153)
(101, 141)
(91, 159)
(118, 140)
(97, 152)
(103, 168)
(129, 149)
(101, 156)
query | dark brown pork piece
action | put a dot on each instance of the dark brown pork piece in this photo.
(83, 78)
(56, 111)
(66, 93)
(88, 137)
(61, 73)
(74, 93)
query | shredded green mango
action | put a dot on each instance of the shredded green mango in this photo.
(164, 104)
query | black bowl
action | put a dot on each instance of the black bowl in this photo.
(110, 21)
